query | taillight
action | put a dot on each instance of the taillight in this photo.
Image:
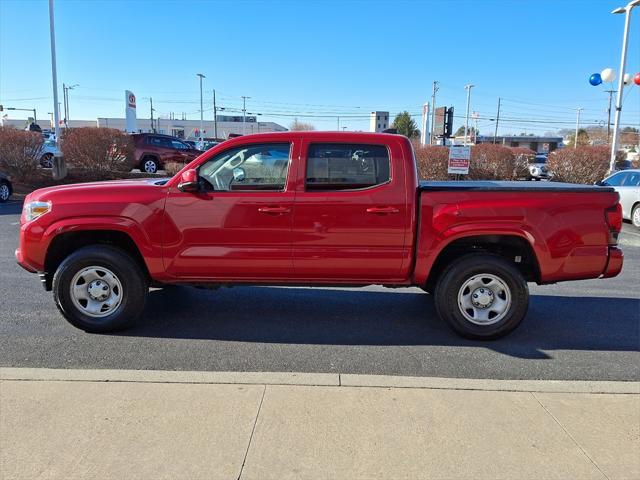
(613, 215)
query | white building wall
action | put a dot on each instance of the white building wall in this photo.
(379, 121)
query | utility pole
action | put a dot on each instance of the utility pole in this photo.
(64, 103)
(468, 88)
(215, 116)
(495, 133)
(575, 139)
(433, 110)
(244, 111)
(54, 73)
(338, 123)
(610, 92)
(201, 107)
(151, 106)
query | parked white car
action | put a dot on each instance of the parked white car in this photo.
(48, 151)
(627, 184)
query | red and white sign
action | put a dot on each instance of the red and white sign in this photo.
(131, 100)
(459, 160)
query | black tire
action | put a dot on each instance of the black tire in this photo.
(475, 266)
(149, 164)
(46, 161)
(132, 296)
(5, 191)
(635, 216)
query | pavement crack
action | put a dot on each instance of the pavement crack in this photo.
(246, 453)
(570, 436)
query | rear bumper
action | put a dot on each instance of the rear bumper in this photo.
(614, 263)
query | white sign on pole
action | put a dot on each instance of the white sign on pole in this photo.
(459, 159)
(130, 112)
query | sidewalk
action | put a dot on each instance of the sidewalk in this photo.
(149, 425)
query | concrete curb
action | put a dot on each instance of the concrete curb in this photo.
(317, 379)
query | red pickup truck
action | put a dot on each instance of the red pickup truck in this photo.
(316, 208)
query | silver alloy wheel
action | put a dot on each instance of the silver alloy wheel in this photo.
(96, 291)
(484, 299)
(150, 166)
(4, 192)
(636, 217)
(47, 160)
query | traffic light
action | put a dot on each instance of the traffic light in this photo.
(448, 123)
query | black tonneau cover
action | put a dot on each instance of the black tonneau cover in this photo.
(504, 186)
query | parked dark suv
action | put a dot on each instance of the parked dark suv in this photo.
(153, 150)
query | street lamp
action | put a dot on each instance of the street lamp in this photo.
(65, 95)
(54, 74)
(623, 63)
(201, 108)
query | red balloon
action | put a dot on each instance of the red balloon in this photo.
(636, 78)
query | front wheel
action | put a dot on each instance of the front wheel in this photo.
(482, 296)
(100, 289)
(46, 161)
(5, 191)
(149, 165)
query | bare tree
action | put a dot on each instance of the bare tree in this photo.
(297, 126)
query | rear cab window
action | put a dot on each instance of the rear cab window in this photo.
(333, 166)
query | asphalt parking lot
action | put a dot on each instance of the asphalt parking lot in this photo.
(587, 330)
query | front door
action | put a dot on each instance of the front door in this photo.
(351, 213)
(239, 226)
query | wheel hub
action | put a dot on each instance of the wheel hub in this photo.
(482, 297)
(99, 290)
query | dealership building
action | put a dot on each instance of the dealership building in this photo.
(187, 129)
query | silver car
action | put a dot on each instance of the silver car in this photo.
(627, 184)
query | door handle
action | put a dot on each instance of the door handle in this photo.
(382, 210)
(274, 210)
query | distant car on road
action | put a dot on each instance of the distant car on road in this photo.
(6, 189)
(538, 168)
(627, 184)
(153, 150)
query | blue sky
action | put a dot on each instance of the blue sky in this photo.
(319, 60)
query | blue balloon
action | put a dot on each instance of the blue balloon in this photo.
(595, 79)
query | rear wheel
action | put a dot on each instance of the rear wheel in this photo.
(482, 296)
(635, 216)
(100, 289)
(149, 165)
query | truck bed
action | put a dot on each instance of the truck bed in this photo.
(505, 186)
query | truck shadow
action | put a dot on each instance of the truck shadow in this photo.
(324, 316)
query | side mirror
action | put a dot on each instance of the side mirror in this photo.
(189, 181)
(601, 183)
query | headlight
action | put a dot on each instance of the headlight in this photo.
(33, 210)
(533, 170)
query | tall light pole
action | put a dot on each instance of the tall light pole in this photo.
(201, 107)
(244, 111)
(623, 63)
(468, 88)
(433, 111)
(65, 98)
(54, 73)
(575, 139)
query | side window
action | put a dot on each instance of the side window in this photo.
(346, 166)
(158, 142)
(250, 167)
(632, 180)
(617, 179)
(178, 145)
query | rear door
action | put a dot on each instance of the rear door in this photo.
(629, 192)
(351, 212)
